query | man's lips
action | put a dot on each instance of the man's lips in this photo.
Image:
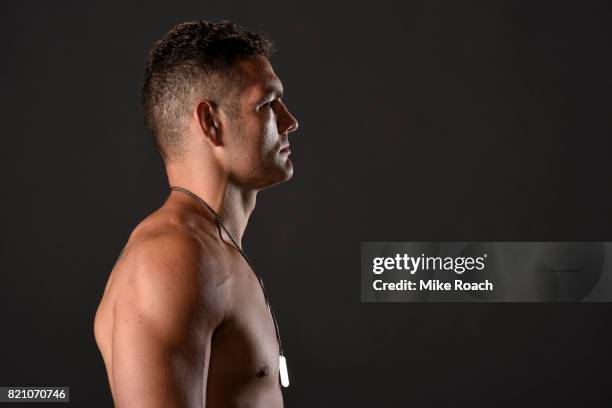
(285, 149)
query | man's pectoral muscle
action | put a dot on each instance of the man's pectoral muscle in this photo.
(163, 324)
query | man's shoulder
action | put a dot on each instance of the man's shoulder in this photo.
(172, 250)
(164, 248)
(165, 236)
(169, 271)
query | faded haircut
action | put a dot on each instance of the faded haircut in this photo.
(193, 59)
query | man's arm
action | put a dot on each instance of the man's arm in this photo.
(163, 324)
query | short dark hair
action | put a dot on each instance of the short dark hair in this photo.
(194, 56)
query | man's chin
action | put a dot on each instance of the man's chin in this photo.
(288, 169)
(283, 175)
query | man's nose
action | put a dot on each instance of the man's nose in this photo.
(288, 123)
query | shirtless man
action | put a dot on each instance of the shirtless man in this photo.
(183, 321)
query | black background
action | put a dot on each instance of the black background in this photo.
(425, 121)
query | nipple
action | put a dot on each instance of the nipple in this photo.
(263, 372)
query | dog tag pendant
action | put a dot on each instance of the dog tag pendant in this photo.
(284, 374)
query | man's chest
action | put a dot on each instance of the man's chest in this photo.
(246, 343)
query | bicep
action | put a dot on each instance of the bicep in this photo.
(155, 370)
(162, 331)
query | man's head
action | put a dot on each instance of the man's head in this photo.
(210, 93)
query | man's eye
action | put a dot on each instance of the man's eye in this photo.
(268, 104)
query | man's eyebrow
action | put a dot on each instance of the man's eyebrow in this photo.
(276, 90)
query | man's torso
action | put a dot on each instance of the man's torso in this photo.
(243, 366)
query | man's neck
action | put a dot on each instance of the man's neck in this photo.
(232, 203)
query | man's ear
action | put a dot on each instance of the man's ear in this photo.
(208, 120)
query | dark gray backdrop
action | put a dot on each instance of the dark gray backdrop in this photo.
(425, 121)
